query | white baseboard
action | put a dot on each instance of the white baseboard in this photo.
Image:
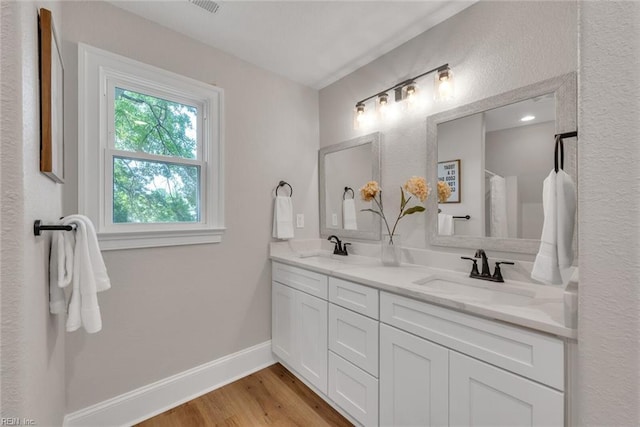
(153, 399)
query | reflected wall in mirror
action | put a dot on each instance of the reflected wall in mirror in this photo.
(506, 149)
(343, 169)
(506, 157)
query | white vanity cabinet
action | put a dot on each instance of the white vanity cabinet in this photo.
(390, 360)
(424, 380)
(353, 349)
(414, 380)
(299, 323)
(483, 395)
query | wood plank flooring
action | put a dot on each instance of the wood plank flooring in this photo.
(269, 397)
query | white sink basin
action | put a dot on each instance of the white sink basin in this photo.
(478, 290)
(327, 258)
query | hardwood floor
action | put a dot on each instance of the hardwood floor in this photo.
(271, 396)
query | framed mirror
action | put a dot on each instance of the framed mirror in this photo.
(495, 154)
(343, 169)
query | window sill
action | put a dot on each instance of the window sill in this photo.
(154, 239)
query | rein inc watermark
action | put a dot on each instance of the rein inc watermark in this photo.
(17, 421)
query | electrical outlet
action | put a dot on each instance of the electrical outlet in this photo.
(334, 220)
(300, 220)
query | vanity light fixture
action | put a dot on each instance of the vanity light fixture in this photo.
(407, 89)
(383, 104)
(444, 83)
(527, 118)
(361, 118)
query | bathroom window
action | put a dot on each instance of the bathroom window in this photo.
(150, 154)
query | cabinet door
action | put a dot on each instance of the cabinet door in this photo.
(414, 380)
(283, 302)
(311, 323)
(483, 395)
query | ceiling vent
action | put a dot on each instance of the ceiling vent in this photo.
(208, 5)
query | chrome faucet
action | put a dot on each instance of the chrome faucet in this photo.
(486, 271)
(339, 248)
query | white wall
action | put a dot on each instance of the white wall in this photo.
(348, 168)
(464, 139)
(32, 351)
(525, 152)
(609, 214)
(492, 47)
(171, 309)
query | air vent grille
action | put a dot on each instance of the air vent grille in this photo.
(208, 5)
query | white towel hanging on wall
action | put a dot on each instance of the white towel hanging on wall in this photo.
(445, 225)
(553, 262)
(283, 218)
(76, 260)
(349, 218)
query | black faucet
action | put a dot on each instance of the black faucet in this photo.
(486, 271)
(339, 248)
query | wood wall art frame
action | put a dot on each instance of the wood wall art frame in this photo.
(51, 100)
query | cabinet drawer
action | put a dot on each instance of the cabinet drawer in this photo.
(530, 354)
(353, 390)
(306, 281)
(354, 337)
(359, 298)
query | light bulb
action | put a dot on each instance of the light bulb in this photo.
(527, 118)
(360, 116)
(444, 84)
(412, 95)
(383, 105)
(360, 112)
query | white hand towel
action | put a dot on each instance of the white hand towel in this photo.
(558, 200)
(349, 214)
(445, 224)
(283, 218)
(79, 262)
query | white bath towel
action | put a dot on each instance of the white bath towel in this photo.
(498, 207)
(566, 205)
(445, 225)
(349, 214)
(60, 269)
(76, 259)
(283, 218)
(555, 256)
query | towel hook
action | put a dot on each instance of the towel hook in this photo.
(38, 227)
(346, 190)
(282, 184)
(560, 145)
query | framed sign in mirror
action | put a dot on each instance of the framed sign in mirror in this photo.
(449, 172)
(51, 100)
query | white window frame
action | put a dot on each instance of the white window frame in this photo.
(99, 72)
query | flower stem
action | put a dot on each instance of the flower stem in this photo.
(400, 215)
(382, 214)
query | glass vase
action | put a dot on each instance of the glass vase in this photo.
(391, 250)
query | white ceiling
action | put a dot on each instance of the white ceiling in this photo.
(311, 42)
(543, 108)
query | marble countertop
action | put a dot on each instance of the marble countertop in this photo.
(536, 307)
